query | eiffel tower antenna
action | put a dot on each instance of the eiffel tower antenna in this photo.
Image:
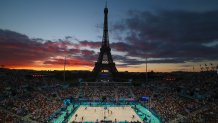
(106, 4)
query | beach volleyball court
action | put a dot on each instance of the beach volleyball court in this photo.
(93, 114)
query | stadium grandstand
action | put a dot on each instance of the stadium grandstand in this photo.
(45, 98)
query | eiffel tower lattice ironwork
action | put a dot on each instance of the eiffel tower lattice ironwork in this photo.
(105, 60)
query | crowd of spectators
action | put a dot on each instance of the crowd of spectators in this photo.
(111, 92)
(180, 99)
(97, 92)
(208, 114)
(8, 118)
(124, 92)
(192, 98)
(34, 99)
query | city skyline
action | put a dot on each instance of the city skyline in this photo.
(173, 35)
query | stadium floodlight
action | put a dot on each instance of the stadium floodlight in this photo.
(64, 67)
(65, 60)
(146, 69)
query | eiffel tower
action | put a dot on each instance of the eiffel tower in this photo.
(105, 60)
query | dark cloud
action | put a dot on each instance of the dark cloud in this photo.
(163, 37)
(120, 46)
(90, 44)
(68, 37)
(177, 36)
(18, 50)
(71, 62)
(87, 52)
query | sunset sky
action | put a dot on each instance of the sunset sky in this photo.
(173, 34)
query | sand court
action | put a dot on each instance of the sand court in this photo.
(92, 114)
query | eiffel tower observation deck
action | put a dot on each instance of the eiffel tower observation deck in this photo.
(105, 61)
